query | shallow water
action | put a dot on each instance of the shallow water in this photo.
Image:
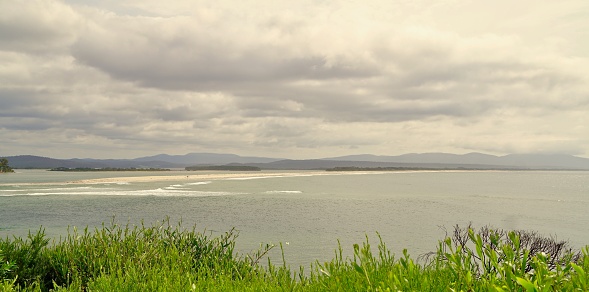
(310, 212)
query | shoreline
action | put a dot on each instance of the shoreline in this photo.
(222, 176)
(162, 178)
(190, 177)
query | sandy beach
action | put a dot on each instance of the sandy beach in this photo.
(191, 177)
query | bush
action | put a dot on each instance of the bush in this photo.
(509, 260)
(487, 241)
(123, 251)
(28, 260)
(170, 258)
(6, 284)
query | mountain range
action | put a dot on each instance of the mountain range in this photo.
(412, 160)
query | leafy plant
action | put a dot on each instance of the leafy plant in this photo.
(171, 258)
(506, 260)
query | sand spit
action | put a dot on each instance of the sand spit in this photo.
(179, 178)
(192, 177)
(242, 175)
(217, 176)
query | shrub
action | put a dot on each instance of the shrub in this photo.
(488, 243)
(169, 258)
(499, 259)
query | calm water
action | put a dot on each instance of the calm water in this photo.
(309, 212)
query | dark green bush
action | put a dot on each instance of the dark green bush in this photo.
(28, 258)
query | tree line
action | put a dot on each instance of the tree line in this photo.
(4, 167)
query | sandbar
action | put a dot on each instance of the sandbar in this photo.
(216, 176)
(193, 177)
(186, 178)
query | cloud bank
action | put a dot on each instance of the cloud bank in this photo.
(296, 79)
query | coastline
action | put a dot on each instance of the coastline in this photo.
(221, 176)
(189, 177)
(160, 178)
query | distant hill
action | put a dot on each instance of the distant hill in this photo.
(320, 164)
(534, 161)
(206, 158)
(30, 161)
(128, 163)
(157, 161)
(413, 160)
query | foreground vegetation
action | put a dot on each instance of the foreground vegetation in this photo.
(171, 258)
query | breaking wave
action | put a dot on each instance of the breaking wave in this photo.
(283, 192)
(159, 192)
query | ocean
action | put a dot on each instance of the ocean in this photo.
(309, 212)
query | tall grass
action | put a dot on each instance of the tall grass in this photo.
(166, 257)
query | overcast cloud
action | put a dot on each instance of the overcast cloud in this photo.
(296, 79)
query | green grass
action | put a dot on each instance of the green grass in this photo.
(163, 257)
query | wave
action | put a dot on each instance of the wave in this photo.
(159, 192)
(62, 189)
(271, 176)
(164, 192)
(51, 190)
(175, 188)
(283, 192)
(199, 183)
(248, 178)
(28, 194)
(185, 186)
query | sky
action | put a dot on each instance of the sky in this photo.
(293, 79)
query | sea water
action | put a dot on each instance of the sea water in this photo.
(308, 212)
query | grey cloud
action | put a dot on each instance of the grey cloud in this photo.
(259, 73)
(287, 128)
(260, 77)
(279, 81)
(18, 103)
(182, 54)
(36, 26)
(210, 72)
(25, 124)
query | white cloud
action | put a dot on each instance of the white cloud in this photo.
(295, 79)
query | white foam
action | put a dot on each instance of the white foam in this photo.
(269, 176)
(30, 194)
(199, 183)
(62, 189)
(159, 192)
(248, 178)
(184, 186)
(287, 175)
(35, 191)
(169, 193)
(283, 192)
(174, 188)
